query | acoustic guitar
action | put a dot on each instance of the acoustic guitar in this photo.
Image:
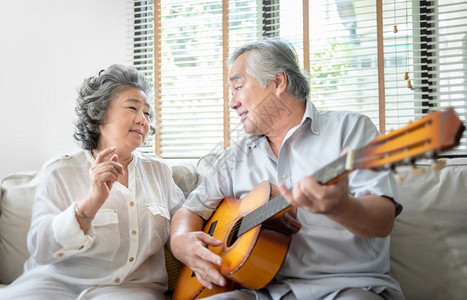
(257, 230)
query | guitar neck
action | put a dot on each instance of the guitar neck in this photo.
(335, 170)
(326, 175)
(439, 131)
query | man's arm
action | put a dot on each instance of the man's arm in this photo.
(188, 242)
(366, 216)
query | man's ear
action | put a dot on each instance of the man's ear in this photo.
(281, 82)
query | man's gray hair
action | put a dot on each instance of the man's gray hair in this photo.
(271, 56)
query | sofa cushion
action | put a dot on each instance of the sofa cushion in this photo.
(17, 193)
(429, 240)
(185, 177)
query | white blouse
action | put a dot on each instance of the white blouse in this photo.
(126, 239)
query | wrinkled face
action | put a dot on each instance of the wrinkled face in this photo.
(127, 122)
(251, 102)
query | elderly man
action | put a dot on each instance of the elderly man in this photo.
(342, 248)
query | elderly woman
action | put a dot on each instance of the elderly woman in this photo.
(101, 216)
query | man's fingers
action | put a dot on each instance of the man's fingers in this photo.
(192, 249)
(208, 255)
(210, 240)
(207, 275)
(205, 283)
(209, 283)
(285, 192)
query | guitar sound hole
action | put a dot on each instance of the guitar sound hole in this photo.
(233, 235)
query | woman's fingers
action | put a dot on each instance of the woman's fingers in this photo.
(104, 173)
(105, 154)
(118, 167)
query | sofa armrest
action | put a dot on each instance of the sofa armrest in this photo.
(16, 201)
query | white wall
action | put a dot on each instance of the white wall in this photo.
(47, 48)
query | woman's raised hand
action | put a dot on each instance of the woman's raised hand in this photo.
(104, 173)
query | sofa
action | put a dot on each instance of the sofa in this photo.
(428, 243)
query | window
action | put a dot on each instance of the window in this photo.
(143, 49)
(356, 60)
(431, 46)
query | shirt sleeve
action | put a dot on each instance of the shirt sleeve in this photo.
(176, 196)
(55, 233)
(365, 181)
(68, 234)
(215, 186)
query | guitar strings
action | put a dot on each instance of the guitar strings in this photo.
(226, 227)
(220, 231)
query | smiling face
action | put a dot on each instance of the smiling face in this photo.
(127, 121)
(248, 97)
(258, 107)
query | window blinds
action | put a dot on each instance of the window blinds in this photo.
(143, 49)
(351, 67)
(430, 45)
(195, 39)
(343, 56)
(444, 50)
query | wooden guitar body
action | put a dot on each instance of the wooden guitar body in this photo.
(260, 250)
